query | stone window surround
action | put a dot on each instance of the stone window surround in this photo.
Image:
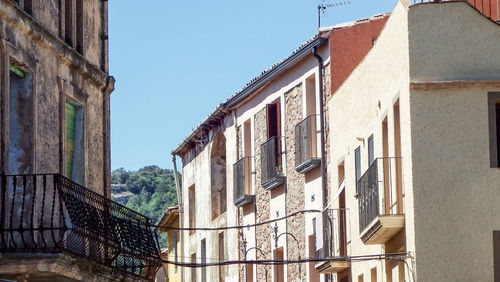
(10, 54)
(493, 101)
(69, 92)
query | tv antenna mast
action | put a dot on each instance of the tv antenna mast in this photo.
(322, 7)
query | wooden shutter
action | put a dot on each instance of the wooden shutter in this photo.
(69, 148)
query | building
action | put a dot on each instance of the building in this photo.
(55, 89)
(410, 110)
(170, 272)
(258, 156)
(414, 158)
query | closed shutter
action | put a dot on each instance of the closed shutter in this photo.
(69, 148)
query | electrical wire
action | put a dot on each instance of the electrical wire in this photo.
(389, 256)
(232, 227)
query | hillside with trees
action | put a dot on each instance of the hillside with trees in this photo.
(149, 190)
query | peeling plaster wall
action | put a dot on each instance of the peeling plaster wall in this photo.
(58, 73)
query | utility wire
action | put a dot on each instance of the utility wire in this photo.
(389, 256)
(232, 227)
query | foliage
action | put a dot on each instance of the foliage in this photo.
(149, 191)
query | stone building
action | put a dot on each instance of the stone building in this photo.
(54, 132)
(403, 170)
(257, 157)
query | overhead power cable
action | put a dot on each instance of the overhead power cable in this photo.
(388, 256)
(232, 227)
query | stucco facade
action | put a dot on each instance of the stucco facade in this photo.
(421, 96)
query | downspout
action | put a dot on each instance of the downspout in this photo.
(181, 209)
(324, 188)
(108, 88)
(322, 125)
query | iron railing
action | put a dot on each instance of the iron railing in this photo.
(489, 8)
(305, 140)
(335, 232)
(242, 178)
(48, 213)
(380, 190)
(270, 159)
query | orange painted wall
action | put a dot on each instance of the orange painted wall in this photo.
(349, 45)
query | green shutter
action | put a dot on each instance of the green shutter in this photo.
(69, 148)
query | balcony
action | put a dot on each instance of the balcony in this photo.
(272, 171)
(50, 218)
(334, 239)
(380, 201)
(306, 157)
(242, 177)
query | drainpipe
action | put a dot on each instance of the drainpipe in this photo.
(322, 125)
(181, 209)
(323, 153)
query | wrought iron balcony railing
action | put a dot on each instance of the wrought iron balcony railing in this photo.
(306, 157)
(48, 213)
(489, 8)
(242, 177)
(271, 168)
(334, 240)
(380, 191)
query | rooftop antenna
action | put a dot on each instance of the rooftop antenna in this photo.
(322, 7)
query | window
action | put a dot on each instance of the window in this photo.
(311, 95)
(273, 119)
(193, 269)
(397, 159)
(218, 175)
(74, 24)
(360, 278)
(342, 225)
(313, 273)
(373, 274)
(21, 111)
(496, 255)
(249, 272)
(28, 6)
(279, 270)
(203, 260)
(73, 148)
(192, 209)
(357, 164)
(494, 128)
(174, 246)
(371, 154)
(222, 270)
(341, 173)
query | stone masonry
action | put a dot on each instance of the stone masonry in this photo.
(295, 185)
(262, 198)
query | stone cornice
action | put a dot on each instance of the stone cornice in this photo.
(39, 34)
(454, 84)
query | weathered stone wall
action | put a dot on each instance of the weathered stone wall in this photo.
(295, 185)
(327, 95)
(59, 74)
(262, 197)
(239, 140)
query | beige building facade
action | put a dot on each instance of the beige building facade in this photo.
(412, 144)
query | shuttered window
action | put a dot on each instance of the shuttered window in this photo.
(69, 148)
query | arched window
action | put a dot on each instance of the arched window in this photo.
(218, 175)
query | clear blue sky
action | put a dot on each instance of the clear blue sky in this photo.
(175, 61)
